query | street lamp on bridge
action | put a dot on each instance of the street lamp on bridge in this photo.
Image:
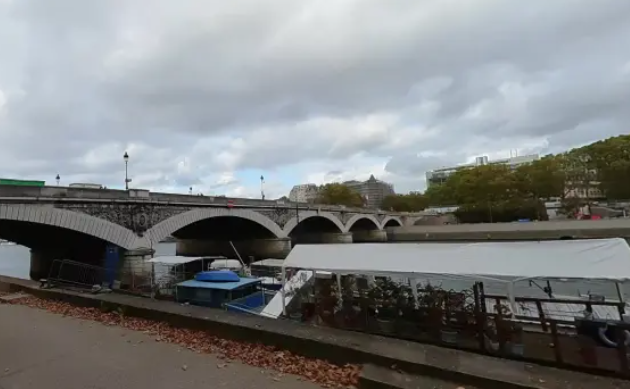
(127, 179)
(262, 187)
(58, 179)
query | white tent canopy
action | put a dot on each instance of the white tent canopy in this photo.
(597, 259)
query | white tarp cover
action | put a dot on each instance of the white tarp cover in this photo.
(179, 260)
(604, 259)
(174, 259)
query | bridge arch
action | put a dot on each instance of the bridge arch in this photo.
(171, 225)
(70, 220)
(360, 218)
(303, 216)
(391, 221)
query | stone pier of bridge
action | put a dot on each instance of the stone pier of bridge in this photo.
(373, 236)
(324, 237)
(263, 248)
(257, 248)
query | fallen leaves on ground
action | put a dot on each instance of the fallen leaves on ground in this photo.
(285, 362)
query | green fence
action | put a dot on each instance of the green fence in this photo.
(11, 181)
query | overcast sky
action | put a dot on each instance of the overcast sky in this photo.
(212, 94)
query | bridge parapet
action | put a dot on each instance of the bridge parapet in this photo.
(10, 193)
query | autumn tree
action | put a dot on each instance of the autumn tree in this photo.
(339, 194)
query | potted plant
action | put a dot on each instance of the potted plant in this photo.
(327, 300)
(302, 298)
(385, 305)
(386, 315)
(454, 318)
(407, 318)
(514, 335)
(432, 300)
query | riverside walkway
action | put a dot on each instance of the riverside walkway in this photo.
(43, 350)
(383, 359)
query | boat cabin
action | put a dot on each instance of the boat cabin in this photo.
(217, 289)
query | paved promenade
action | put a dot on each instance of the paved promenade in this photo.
(42, 350)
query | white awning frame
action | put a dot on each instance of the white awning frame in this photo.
(597, 259)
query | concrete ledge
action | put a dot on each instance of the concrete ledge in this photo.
(336, 346)
(378, 377)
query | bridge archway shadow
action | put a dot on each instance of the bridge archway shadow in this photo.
(310, 226)
(51, 242)
(225, 228)
(363, 223)
(391, 222)
(212, 237)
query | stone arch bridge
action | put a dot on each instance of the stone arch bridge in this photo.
(79, 223)
(131, 228)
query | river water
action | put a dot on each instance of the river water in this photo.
(15, 262)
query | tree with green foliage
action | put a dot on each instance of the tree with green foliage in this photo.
(489, 193)
(439, 196)
(576, 177)
(339, 194)
(411, 202)
(610, 159)
(541, 179)
(478, 185)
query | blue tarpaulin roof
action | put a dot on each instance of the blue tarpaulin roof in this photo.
(219, 285)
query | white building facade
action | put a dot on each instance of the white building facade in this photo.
(304, 193)
(373, 191)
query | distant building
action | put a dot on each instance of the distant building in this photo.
(373, 190)
(305, 193)
(439, 176)
(590, 191)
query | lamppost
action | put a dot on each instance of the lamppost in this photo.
(190, 190)
(262, 187)
(127, 180)
(58, 179)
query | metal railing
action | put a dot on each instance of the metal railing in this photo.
(67, 273)
(53, 193)
(474, 321)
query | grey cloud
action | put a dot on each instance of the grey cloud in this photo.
(415, 165)
(241, 85)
